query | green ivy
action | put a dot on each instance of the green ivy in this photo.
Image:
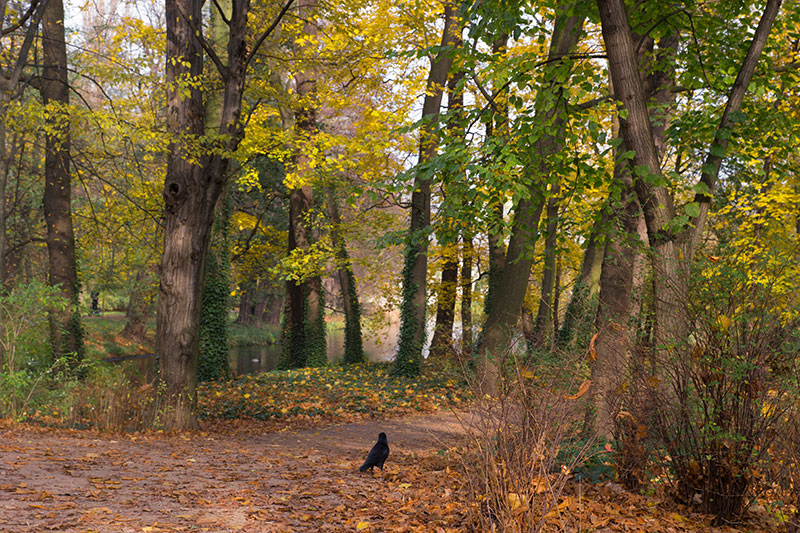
(408, 362)
(213, 362)
(353, 346)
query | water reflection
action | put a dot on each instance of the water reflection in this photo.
(250, 359)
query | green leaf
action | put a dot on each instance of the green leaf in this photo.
(692, 209)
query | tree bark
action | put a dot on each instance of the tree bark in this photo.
(9, 81)
(513, 280)
(442, 342)
(140, 304)
(624, 256)
(66, 336)
(581, 310)
(497, 129)
(412, 326)
(544, 313)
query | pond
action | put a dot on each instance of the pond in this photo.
(250, 359)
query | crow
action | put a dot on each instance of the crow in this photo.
(377, 455)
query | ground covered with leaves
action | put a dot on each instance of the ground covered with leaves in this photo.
(332, 393)
(280, 452)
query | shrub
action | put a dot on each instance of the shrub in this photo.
(724, 395)
(25, 357)
(521, 449)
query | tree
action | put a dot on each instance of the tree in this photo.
(9, 85)
(197, 170)
(415, 270)
(673, 239)
(513, 281)
(304, 329)
(66, 335)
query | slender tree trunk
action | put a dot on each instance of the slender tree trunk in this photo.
(556, 300)
(5, 99)
(412, 326)
(497, 129)
(9, 80)
(467, 254)
(581, 310)
(353, 345)
(305, 345)
(66, 335)
(544, 314)
(140, 304)
(513, 282)
(442, 342)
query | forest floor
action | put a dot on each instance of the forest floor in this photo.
(245, 480)
(245, 477)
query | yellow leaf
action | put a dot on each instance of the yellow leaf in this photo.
(361, 526)
(581, 391)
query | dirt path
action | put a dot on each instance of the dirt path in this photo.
(282, 481)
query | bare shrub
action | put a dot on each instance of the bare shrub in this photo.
(110, 400)
(515, 459)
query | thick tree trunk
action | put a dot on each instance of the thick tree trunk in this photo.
(613, 344)
(193, 184)
(412, 326)
(501, 319)
(624, 259)
(672, 248)
(353, 345)
(66, 336)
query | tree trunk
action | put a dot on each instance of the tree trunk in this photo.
(672, 247)
(353, 345)
(581, 310)
(194, 181)
(140, 304)
(442, 342)
(513, 281)
(624, 257)
(415, 269)
(305, 343)
(496, 128)
(9, 80)
(544, 314)
(66, 335)
(467, 254)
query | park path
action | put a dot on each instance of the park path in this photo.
(305, 480)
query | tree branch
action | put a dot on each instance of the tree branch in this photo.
(266, 33)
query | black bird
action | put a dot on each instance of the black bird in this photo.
(377, 455)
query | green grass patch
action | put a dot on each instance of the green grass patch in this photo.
(242, 335)
(331, 392)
